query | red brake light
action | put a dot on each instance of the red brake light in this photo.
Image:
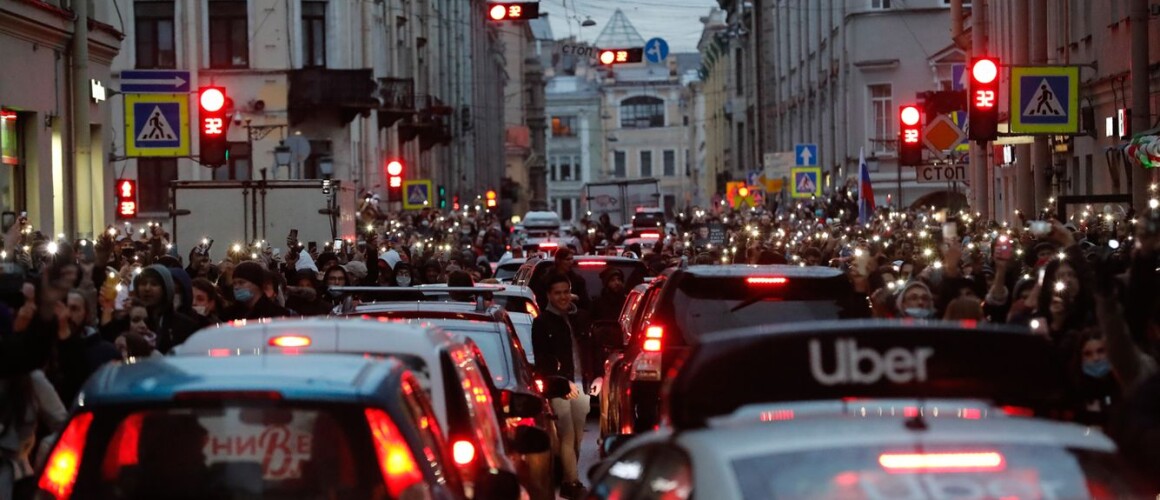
(653, 336)
(592, 263)
(60, 472)
(549, 244)
(650, 236)
(123, 447)
(1018, 411)
(290, 341)
(652, 345)
(540, 385)
(972, 413)
(463, 452)
(766, 280)
(944, 462)
(219, 353)
(776, 415)
(400, 471)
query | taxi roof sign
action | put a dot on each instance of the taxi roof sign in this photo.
(863, 359)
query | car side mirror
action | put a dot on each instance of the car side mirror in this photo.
(556, 387)
(522, 404)
(497, 483)
(528, 440)
(607, 333)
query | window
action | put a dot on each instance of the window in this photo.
(670, 202)
(642, 112)
(238, 168)
(229, 44)
(553, 161)
(669, 159)
(154, 35)
(313, 34)
(619, 161)
(12, 159)
(566, 209)
(318, 150)
(882, 118)
(646, 164)
(566, 168)
(563, 126)
(153, 176)
(879, 4)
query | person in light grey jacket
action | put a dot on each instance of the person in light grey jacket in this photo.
(26, 403)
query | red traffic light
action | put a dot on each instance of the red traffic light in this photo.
(490, 198)
(212, 99)
(619, 56)
(985, 71)
(508, 11)
(126, 198)
(394, 167)
(910, 115)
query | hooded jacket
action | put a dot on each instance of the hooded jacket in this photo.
(171, 327)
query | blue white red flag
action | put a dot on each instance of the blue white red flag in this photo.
(865, 190)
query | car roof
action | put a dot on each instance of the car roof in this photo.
(327, 334)
(914, 359)
(504, 290)
(579, 257)
(743, 270)
(446, 310)
(313, 377)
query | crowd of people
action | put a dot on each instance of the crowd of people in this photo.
(1088, 283)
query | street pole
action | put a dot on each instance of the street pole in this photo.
(1024, 173)
(78, 208)
(1040, 154)
(980, 171)
(1141, 107)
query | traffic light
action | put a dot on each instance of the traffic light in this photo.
(442, 197)
(513, 11)
(910, 135)
(490, 198)
(455, 203)
(983, 114)
(213, 127)
(126, 198)
(609, 57)
(395, 175)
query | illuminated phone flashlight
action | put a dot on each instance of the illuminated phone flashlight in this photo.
(205, 241)
(112, 231)
(253, 255)
(1035, 324)
(119, 287)
(1060, 286)
(136, 270)
(237, 247)
(169, 246)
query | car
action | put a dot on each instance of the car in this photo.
(329, 426)
(506, 270)
(686, 303)
(870, 409)
(457, 378)
(588, 267)
(518, 301)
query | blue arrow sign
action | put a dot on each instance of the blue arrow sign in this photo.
(958, 77)
(656, 50)
(154, 81)
(805, 155)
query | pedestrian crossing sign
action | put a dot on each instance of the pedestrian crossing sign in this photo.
(417, 194)
(806, 182)
(157, 125)
(1045, 99)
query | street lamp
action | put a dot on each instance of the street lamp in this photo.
(282, 155)
(326, 166)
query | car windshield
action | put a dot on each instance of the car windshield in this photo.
(507, 271)
(490, 344)
(234, 450)
(722, 303)
(970, 470)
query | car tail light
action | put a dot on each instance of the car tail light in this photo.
(653, 336)
(776, 415)
(942, 462)
(592, 263)
(540, 385)
(463, 451)
(219, 353)
(123, 447)
(1018, 411)
(972, 413)
(549, 244)
(60, 472)
(400, 471)
(290, 341)
(650, 236)
(766, 280)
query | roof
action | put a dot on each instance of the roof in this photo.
(618, 33)
(440, 310)
(316, 377)
(743, 270)
(541, 28)
(328, 335)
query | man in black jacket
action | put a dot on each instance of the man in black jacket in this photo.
(558, 352)
(250, 300)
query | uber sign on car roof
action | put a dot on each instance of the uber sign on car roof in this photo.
(864, 359)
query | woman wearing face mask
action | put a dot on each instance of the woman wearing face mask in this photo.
(1095, 389)
(915, 301)
(207, 302)
(403, 274)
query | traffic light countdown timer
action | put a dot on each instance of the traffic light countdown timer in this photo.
(910, 135)
(983, 114)
(513, 11)
(609, 57)
(213, 125)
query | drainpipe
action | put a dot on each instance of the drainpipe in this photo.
(77, 181)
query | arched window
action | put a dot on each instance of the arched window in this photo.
(642, 111)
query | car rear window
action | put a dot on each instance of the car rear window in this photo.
(634, 274)
(491, 345)
(507, 271)
(971, 470)
(708, 304)
(236, 451)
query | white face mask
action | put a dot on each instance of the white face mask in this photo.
(403, 280)
(200, 310)
(919, 312)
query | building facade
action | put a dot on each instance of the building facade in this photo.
(56, 114)
(355, 83)
(576, 137)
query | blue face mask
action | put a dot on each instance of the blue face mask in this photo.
(1097, 369)
(243, 295)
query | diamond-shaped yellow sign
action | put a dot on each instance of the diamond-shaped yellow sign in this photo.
(942, 134)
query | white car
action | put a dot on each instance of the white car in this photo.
(867, 410)
(519, 302)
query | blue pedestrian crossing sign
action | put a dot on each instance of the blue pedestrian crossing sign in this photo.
(157, 125)
(1045, 100)
(417, 194)
(805, 155)
(656, 50)
(806, 182)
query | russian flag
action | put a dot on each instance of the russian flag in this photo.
(865, 190)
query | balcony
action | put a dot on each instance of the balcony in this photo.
(396, 98)
(313, 90)
(429, 124)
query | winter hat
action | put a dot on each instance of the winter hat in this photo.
(391, 258)
(252, 272)
(905, 288)
(356, 269)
